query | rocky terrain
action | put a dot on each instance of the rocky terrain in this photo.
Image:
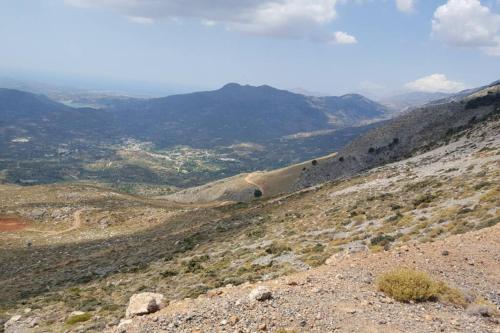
(341, 296)
(80, 251)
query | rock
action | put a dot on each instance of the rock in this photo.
(481, 310)
(14, 325)
(36, 213)
(124, 322)
(144, 303)
(260, 293)
(263, 327)
(233, 320)
(76, 313)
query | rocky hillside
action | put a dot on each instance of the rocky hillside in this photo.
(405, 135)
(342, 295)
(72, 255)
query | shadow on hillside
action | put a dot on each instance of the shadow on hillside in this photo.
(28, 272)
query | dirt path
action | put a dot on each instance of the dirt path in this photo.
(77, 223)
(249, 180)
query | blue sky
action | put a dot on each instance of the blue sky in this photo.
(376, 47)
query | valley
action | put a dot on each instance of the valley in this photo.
(89, 247)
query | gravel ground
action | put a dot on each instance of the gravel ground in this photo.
(341, 296)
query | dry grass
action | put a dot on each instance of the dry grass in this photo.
(407, 285)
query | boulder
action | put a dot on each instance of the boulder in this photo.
(144, 303)
(260, 293)
(15, 325)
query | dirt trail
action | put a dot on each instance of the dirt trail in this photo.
(249, 180)
(77, 223)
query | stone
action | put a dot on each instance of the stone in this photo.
(260, 293)
(481, 310)
(76, 313)
(124, 322)
(144, 303)
(233, 320)
(14, 325)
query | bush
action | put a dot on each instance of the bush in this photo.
(314, 162)
(78, 318)
(382, 240)
(277, 248)
(406, 285)
(257, 193)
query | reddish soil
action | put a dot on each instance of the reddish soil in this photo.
(11, 224)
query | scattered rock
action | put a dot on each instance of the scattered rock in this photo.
(260, 293)
(13, 325)
(144, 303)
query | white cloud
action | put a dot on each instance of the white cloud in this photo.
(467, 23)
(406, 6)
(279, 18)
(435, 83)
(341, 37)
(141, 20)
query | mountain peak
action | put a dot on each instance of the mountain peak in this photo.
(231, 85)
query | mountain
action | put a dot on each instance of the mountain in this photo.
(403, 102)
(231, 114)
(31, 125)
(393, 140)
(404, 135)
(237, 113)
(322, 258)
(223, 132)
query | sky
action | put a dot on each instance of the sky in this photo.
(375, 47)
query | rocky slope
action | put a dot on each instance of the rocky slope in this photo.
(342, 296)
(119, 245)
(406, 135)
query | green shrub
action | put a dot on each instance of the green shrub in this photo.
(382, 240)
(78, 318)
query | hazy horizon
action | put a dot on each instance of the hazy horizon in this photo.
(376, 48)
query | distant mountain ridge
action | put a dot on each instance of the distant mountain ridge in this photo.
(45, 141)
(233, 113)
(242, 113)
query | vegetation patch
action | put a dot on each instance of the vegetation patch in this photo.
(407, 285)
(78, 318)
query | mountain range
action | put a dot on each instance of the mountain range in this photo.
(284, 127)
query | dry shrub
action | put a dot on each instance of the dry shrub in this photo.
(407, 285)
